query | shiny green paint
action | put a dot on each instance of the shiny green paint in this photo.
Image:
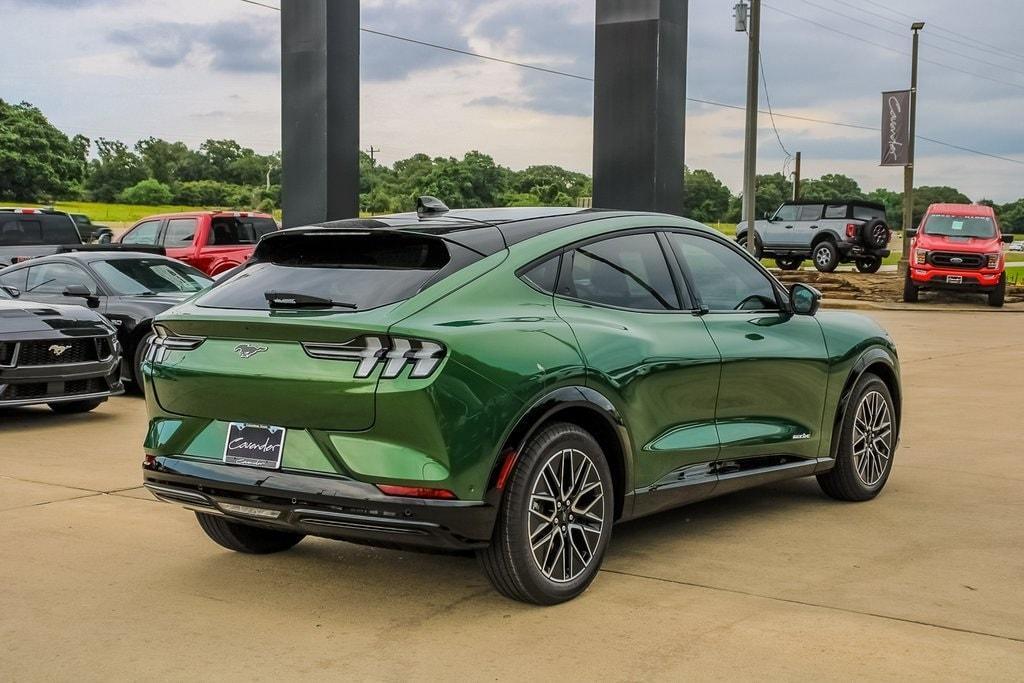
(689, 389)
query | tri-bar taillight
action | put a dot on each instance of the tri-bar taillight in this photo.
(164, 340)
(393, 352)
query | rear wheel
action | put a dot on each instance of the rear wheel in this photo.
(910, 290)
(866, 444)
(555, 519)
(826, 256)
(868, 264)
(789, 262)
(998, 295)
(243, 538)
(758, 246)
(72, 407)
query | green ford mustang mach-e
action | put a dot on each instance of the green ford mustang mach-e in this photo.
(510, 381)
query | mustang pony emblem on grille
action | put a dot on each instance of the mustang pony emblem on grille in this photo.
(248, 350)
(58, 349)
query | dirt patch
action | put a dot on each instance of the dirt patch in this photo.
(881, 287)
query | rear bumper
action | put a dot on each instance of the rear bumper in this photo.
(331, 507)
(970, 280)
(854, 250)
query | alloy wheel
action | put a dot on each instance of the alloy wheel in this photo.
(565, 515)
(872, 438)
(822, 257)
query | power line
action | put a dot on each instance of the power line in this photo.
(697, 100)
(892, 49)
(771, 115)
(903, 36)
(941, 28)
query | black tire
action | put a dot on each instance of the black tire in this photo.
(789, 262)
(73, 407)
(509, 561)
(137, 358)
(868, 264)
(758, 245)
(910, 290)
(825, 256)
(875, 234)
(862, 477)
(998, 295)
(243, 538)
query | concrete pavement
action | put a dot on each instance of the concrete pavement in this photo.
(98, 581)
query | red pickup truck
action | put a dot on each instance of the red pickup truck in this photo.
(211, 241)
(958, 247)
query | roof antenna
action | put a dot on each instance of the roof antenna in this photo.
(430, 206)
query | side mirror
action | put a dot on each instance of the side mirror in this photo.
(911, 234)
(1008, 239)
(768, 216)
(105, 237)
(13, 291)
(81, 291)
(804, 299)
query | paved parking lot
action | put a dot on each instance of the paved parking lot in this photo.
(98, 581)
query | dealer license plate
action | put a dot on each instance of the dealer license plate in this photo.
(955, 279)
(254, 445)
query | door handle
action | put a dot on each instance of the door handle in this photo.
(789, 227)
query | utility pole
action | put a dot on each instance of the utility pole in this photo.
(750, 140)
(373, 153)
(908, 170)
(796, 178)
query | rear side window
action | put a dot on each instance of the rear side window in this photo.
(37, 228)
(544, 276)
(228, 230)
(810, 212)
(867, 213)
(360, 270)
(835, 211)
(626, 272)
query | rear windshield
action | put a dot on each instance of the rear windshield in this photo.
(959, 226)
(37, 228)
(867, 213)
(230, 230)
(358, 271)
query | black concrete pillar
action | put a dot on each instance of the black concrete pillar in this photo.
(319, 110)
(640, 104)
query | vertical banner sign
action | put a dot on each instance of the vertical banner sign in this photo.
(896, 128)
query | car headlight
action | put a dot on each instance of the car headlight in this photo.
(992, 260)
(920, 256)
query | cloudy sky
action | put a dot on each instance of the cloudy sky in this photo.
(195, 69)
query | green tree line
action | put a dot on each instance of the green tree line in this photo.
(38, 162)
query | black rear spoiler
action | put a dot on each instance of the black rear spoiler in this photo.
(139, 248)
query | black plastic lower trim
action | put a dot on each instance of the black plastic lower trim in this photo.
(331, 507)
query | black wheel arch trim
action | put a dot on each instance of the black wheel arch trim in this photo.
(870, 358)
(554, 403)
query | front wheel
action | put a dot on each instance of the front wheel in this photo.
(998, 295)
(826, 257)
(555, 519)
(137, 359)
(910, 290)
(868, 264)
(243, 538)
(867, 441)
(789, 262)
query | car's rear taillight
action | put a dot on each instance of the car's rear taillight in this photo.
(920, 256)
(992, 260)
(415, 492)
(394, 352)
(851, 230)
(164, 341)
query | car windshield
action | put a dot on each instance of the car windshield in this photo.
(959, 226)
(151, 276)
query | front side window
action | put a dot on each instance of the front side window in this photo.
(144, 233)
(787, 212)
(180, 232)
(959, 226)
(810, 212)
(724, 279)
(150, 276)
(52, 278)
(626, 272)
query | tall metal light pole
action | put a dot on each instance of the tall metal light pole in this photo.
(750, 140)
(908, 170)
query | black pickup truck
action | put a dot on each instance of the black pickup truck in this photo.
(28, 233)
